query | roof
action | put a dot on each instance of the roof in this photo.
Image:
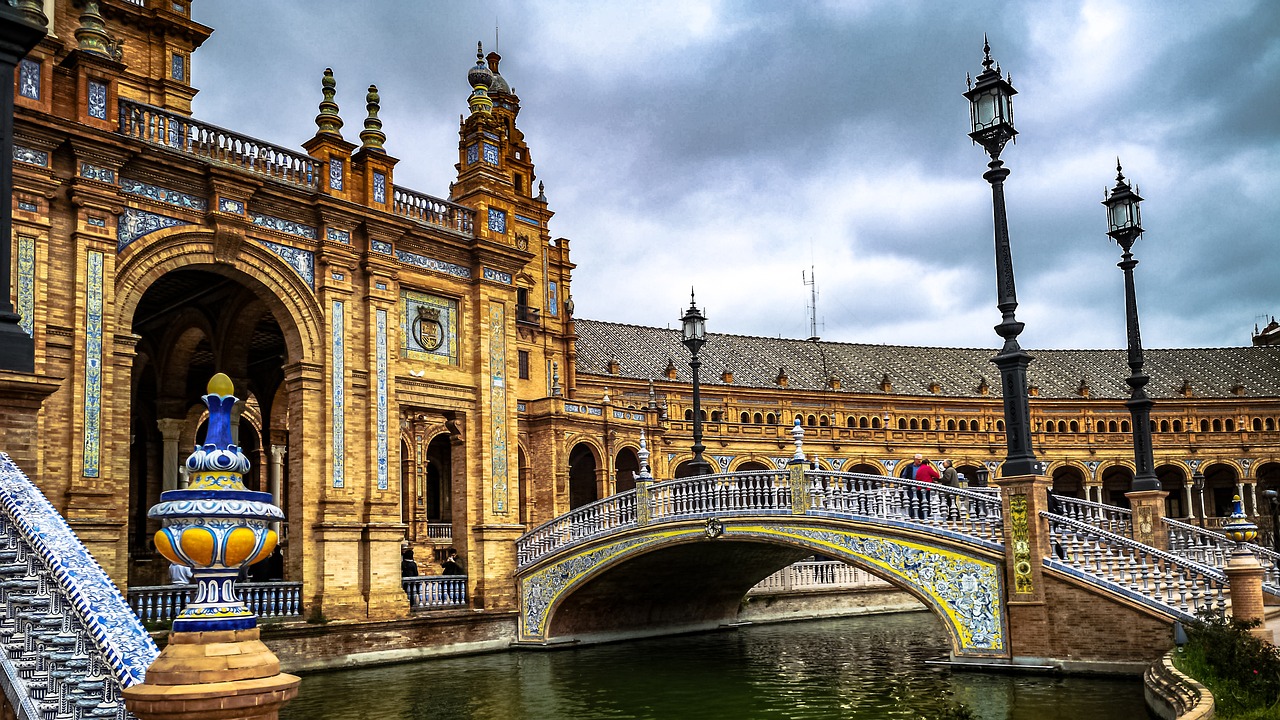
(644, 353)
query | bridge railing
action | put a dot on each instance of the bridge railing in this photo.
(68, 640)
(958, 510)
(436, 592)
(153, 603)
(1107, 517)
(1214, 549)
(1158, 579)
(817, 575)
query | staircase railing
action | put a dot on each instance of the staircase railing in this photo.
(960, 511)
(1214, 549)
(1108, 517)
(68, 640)
(1174, 585)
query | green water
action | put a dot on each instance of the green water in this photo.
(851, 668)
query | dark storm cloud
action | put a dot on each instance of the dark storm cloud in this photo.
(731, 145)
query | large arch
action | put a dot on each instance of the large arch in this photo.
(1068, 481)
(583, 467)
(1220, 480)
(626, 465)
(692, 576)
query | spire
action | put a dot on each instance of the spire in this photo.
(542, 194)
(92, 33)
(328, 120)
(372, 137)
(480, 78)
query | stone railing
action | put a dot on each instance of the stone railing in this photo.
(817, 576)
(955, 510)
(1214, 549)
(436, 592)
(1160, 580)
(1107, 517)
(440, 531)
(1173, 695)
(154, 603)
(433, 211)
(158, 126)
(68, 640)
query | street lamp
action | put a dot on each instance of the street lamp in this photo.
(1273, 498)
(991, 115)
(1197, 483)
(1124, 225)
(694, 336)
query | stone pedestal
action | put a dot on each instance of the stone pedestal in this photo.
(1244, 578)
(223, 675)
(21, 395)
(1148, 518)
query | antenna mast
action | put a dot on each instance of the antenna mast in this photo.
(812, 281)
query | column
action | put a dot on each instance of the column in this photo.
(1186, 493)
(275, 479)
(170, 429)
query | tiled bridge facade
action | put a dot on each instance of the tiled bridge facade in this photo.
(1012, 578)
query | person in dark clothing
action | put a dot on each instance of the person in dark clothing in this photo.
(451, 566)
(408, 568)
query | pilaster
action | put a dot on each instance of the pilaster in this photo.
(1148, 518)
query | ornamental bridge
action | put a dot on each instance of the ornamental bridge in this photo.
(1014, 574)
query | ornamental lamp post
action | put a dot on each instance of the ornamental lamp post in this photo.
(1197, 483)
(694, 336)
(1273, 499)
(991, 115)
(1124, 225)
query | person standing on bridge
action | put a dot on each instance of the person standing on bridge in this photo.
(926, 473)
(951, 479)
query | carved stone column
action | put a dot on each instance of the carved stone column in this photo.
(276, 478)
(170, 429)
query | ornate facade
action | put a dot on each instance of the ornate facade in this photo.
(410, 367)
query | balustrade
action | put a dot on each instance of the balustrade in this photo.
(155, 603)
(440, 531)
(1108, 517)
(818, 575)
(158, 126)
(436, 592)
(432, 211)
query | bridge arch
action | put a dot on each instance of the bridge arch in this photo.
(692, 575)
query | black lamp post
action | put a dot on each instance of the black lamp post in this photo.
(1124, 222)
(1273, 499)
(991, 114)
(1197, 484)
(694, 336)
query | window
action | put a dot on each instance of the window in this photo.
(851, 421)
(715, 416)
(1164, 426)
(811, 421)
(1113, 427)
(518, 181)
(771, 419)
(862, 422)
(824, 421)
(1204, 426)
(1257, 424)
(744, 418)
(902, 423)
(759, 419)
(951, 424)
(999, 426)
(1124, 426)
(1217, 426)
(1177, 426)
(1271, 424)
(1230, 425)
(924, 424)
(523, 357)
(1075, 426)
(915, 424)
(875, 423)
(688, 414)
(1102, 427)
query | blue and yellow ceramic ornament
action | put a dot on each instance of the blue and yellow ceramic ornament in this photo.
(1238, 527)
(215, 525)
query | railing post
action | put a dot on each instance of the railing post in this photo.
(1026, 544)
(795, 470)
(1148, 518)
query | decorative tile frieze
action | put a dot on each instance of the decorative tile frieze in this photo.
(31, 157)
(28, 206)
(96, 222)
(338, 396)
(229, 205)
(380, 246)
(97, 100)
(490, 153)
(498, 405)
(379, 187)
(164, 195)
(527, 220)
(336, 172)
(92, 365)
(285, 226)
(380, 359)
(496, 276)
(498, 220)
(473, 154)
(427, 263)
(429, 327)
(135, 223)
(521, 407)
(303, 262)
(337, 276)
(336, 235)
(178, 68)
(29, 78)
(26, 283)
(553, 299)
(94, 172)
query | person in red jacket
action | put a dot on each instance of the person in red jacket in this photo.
(925, 472)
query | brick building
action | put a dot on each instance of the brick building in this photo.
(409, 365)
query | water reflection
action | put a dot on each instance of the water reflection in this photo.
(852, 668)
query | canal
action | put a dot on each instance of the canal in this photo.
(868, 667)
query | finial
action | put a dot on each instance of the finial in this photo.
(480, 78)
(372, 137)
(797, 432)
(542, 195)
(653, 400)
(328, 121)
(643, 455)
(1119, 171)
(986, 53)
(33, 10)
(92, 33)
(555, 379)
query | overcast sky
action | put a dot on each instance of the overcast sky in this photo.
(730, 146)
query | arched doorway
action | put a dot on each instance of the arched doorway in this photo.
(438, 500)
(867, 469)
(626, 467)
(191, 324)
(970, 472)
(752, 466)
(1116, 481)
(1068, 481)
(1173, 480)
(582, 476)
(1219, 488)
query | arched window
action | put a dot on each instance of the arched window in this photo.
(1074, 426)
(1177, 426)
(771, 419)
(1152, 423)
(1271, 424)
(744, 418)
(851, 421)
(1204, 426)
(951, 424)
(1231, 425)
(758, 419)
(875, 423)
(1217, 425)
(715, 416)
(688, 414)
(915, 424)
(824, 421)
(1102, 427)
(924, 424)
(1124, 426)
(863, 423)
(1164, 426)
(902, 423)
(999, 426)
(811, 421)
(1112, 426)
(1062, 426)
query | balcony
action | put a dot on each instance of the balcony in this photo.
(526, 315)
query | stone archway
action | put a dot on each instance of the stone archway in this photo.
(582, 475)
(626, 467)
(1068, 481)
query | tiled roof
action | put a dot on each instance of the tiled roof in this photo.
(644, 352)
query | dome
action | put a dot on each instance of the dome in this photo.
(480, 74)
(499, 85)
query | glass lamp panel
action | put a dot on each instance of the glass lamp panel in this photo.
(986, 110)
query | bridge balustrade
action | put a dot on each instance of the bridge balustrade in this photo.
(1175, 585)
(1214, 549)
(155, 603)
(436, 592)
(962, 511)
(1107, 517)
(818, 575)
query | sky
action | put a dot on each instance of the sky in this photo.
(741, 148)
